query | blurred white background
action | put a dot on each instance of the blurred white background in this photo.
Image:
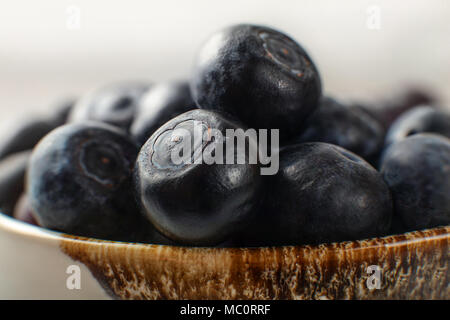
(364, 49)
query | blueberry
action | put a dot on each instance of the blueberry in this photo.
(258, 74)
(417, 170)
(22, 133)
(114, 104)
(348, 127)
(322, 193)
(12, 174)
(160, 104)
(79, 181)
(419, 120)
(187, 199)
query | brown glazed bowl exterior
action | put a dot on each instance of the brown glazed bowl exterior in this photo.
(412, 266)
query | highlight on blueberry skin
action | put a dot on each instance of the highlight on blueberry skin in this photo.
(421, 119)
(322, 193)
(160, 104)
(258, 74)
(113, 104)
(417, 171)
(348, 127)
(195, 202)
(79, 181)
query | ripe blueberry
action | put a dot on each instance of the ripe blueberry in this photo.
(417, 170)
(160, 104)
(419, 120)
(22, 133)
(322, 193)
(258, 74)
(348, 127)
(191, 201)
(114, 104)
(79, 181)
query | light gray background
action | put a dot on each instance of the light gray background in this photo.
(41, 59)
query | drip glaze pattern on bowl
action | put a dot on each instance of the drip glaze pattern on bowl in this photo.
(414, 265)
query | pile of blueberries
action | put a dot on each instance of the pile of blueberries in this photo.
(101, 166)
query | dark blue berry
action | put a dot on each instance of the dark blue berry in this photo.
(322, 193)
(160, 104)
(348, 127)
(419, 120)
(80, 182)
(258, 74)
(114, 104)
(189, 202)
(22, 133)
(417, 170)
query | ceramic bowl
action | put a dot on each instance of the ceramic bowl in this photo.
(38, 263)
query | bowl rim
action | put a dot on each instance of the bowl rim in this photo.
(150, 262)
(11, 225)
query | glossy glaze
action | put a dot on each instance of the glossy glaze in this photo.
(414, 266)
